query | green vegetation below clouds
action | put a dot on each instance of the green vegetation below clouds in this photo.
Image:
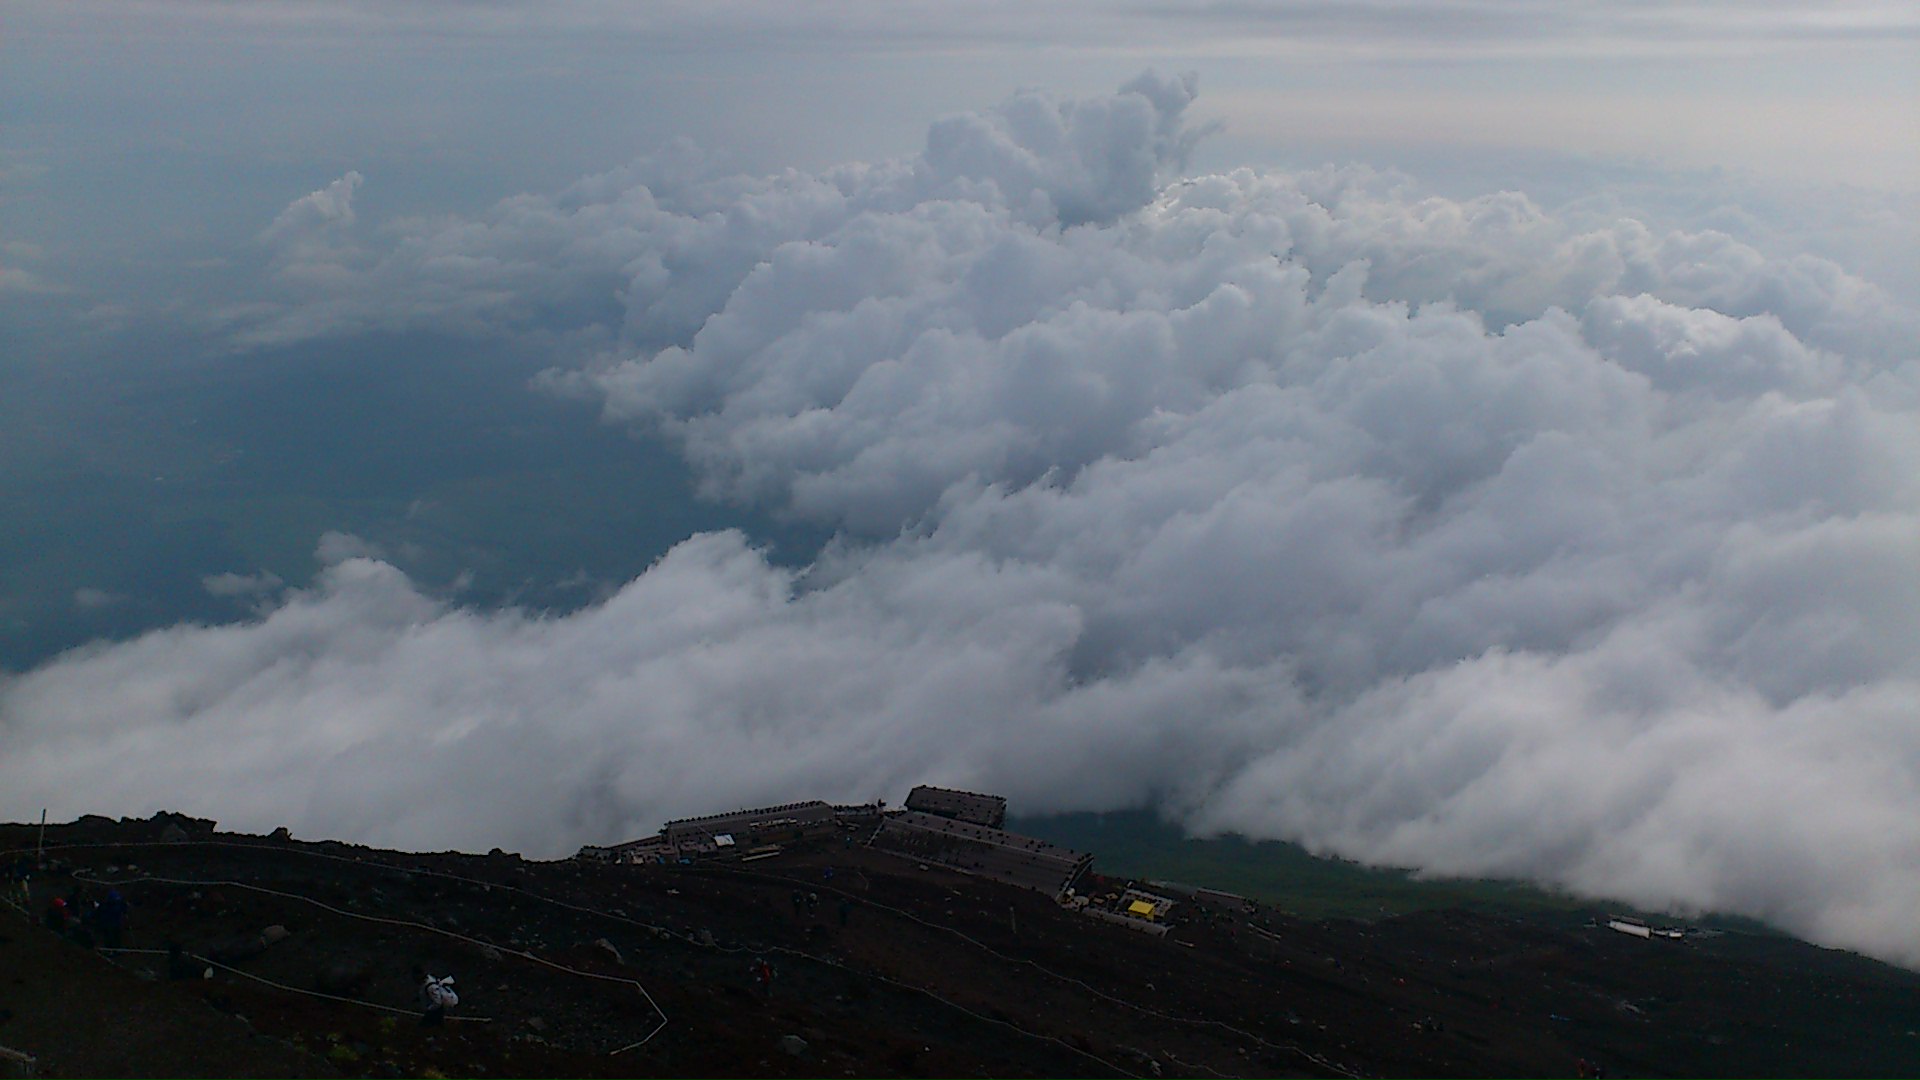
(1139, 844)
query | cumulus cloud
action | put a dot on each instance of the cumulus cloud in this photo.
(709, 681)
(657, 246)
(232, 585)
(327, 209)
(313, 252)
(1433, 532)
(338, 547)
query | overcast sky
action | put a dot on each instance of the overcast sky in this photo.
(1482, 437)
(135, 129)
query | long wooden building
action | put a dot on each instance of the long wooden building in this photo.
(982, 850)
(968, 806)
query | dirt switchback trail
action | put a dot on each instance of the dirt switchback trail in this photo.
(830, 958)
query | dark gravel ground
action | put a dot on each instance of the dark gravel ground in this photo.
(932, 974)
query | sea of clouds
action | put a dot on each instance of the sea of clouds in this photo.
(1432, 532)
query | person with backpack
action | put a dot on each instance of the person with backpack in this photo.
(58, 918)
(111, 918)
(436, 997)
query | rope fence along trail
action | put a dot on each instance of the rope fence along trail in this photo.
(283, 986)
(521, 953)
(1299, 1051)
(651, 927)
(15, 1064)
(1282, 1047)
(274, 849)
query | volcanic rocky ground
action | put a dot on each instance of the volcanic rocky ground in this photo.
(932, 974)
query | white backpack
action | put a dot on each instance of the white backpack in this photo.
(439, 992)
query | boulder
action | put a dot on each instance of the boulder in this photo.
(608, 947)
(247, 946)
(793, 1044)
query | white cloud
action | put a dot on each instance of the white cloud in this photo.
(1429, 531)
(89, 598)
(233, 584)
(14, 279)
(329, 208)
(670, 244)
(338, 547)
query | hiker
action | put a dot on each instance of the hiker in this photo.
(111, 918)
(436, 997)
(763, 974)
(799, 901)
(813, 902)
(59, 918)
(19, 872)
(846, 909)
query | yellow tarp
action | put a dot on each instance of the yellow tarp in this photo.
(1140, 908)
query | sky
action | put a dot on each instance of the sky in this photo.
(1482, 437)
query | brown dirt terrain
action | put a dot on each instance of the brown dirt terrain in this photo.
(932, 974)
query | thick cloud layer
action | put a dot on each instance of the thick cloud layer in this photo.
(1424, 531)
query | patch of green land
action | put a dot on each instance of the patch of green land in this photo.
(1137, 843)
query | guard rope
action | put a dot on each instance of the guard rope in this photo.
(1095, 991)
(782, 879)
(270, 848)
(690, 939)
(283, 986)
(523, 954)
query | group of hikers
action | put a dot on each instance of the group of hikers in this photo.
(90, 922)
(87, 921)
(84, 920)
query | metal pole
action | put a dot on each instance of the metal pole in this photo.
(40, 853)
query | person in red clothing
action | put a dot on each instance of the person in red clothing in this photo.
(763, 975)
